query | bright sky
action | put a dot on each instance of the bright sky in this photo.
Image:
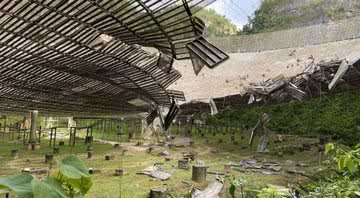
(236, 10)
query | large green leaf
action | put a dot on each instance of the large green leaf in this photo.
(73, 168)
(19, 184)
(74, 172)
(83, 184)
(47, 188)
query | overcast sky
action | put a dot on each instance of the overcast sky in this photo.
(236, 10)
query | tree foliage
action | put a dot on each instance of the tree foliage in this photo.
(337, 115)
(216, 24)
(274, 15)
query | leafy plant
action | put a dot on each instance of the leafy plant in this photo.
(347, 159)
(236, 183)
(72, 180)
(269, 193)
(342, 187)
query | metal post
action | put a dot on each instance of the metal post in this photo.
(74, 138)
(102, 129)
(54, 137)
(51, 136)
(40, 134)
(71, 135)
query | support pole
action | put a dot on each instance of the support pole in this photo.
(40, 134)
(54, 137)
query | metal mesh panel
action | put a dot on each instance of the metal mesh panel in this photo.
(61, 56)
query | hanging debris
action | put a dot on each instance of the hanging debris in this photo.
(87, 57)
(213, 108)
(203, 53)
(151, 117)
(173, 110)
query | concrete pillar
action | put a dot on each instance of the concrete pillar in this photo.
(71, 122)
(34, 115)
(26, 122)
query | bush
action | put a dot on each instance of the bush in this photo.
(335, 115)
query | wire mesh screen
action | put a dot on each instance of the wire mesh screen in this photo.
(86, 56)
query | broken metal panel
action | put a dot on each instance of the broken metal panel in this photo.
(151, 117)
(211, 191)
(262, 144)
(165, 62)
(197, 64)
(207, 53)
(177, 95)
(343, 68)
(85, 56)
(295, 92)
(251, 99)
(213, 107)
(260, 125)
(199, 26)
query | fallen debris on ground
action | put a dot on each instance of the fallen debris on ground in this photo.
(211, 191)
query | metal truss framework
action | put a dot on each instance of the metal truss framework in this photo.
(66, 56)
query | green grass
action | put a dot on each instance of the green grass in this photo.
(133, 185)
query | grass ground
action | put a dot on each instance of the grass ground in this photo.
(132, 185)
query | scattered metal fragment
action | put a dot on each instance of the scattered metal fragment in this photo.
(182, 142)
(294, 171)
(164, 153)
(35, 170)
(190, 155)
(211, 191)
(156, 172)
(215, 172)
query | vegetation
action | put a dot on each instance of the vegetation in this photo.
(346, 183)
(335, 115)
(274, 15)
(348, 159)
(216, 25)
(72, 180)
(136, 158)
